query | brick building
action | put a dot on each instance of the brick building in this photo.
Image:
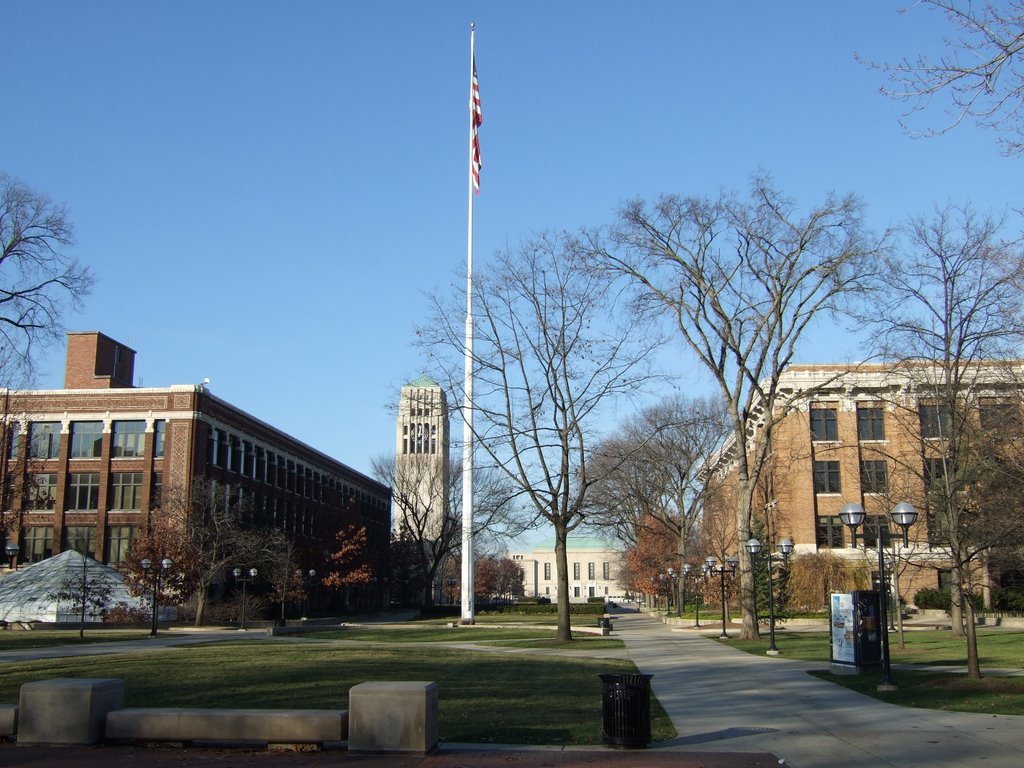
(870, 435)
(86, 466)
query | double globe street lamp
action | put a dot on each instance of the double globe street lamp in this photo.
(147, 567)
(251, 574)
(904, 515)
(785, 548)
(729, 565)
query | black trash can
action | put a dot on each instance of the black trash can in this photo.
(626, 710)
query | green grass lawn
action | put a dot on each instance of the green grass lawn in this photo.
(997, 649)
(15, 639)
(484, 697)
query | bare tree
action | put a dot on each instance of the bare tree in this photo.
(952, 325)
(742, 280)
(38, 280)
(551, 357)
(652, 472)
(200, 530)
(428, 505)
(980, 73)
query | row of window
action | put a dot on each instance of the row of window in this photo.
(39, 541)
(128, 439)
(874, 475)
(82, 493)
(243, 457)
(577, 569)
(933, 421)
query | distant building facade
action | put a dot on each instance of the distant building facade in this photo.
(594, 570)
(87, 466)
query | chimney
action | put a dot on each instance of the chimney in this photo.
(95, 361)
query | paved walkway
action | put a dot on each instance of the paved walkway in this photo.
(731, 709)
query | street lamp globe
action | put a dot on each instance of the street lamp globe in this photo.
(753, 546)
(852, 515)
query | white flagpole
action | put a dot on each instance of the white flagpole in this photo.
(468, 610)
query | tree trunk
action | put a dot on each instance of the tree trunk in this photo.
(973, 663)
(956, 605)
(562, 571)
(200, 604)
(750, 630)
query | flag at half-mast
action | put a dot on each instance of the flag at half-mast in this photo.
(477, 118)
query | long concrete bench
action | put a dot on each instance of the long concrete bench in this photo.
(265, 726)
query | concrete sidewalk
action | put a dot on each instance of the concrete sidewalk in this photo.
(721, 699)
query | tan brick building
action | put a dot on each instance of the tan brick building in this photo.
(86, 465)
(869, 435)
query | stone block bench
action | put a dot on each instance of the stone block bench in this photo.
(398, 717)
(8, 721)
(67, 710)
(259, 726)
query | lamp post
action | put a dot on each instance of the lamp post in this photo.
(11, 549)
(673, 596)
(785, 547)
(904, 515)
(310, 583)
(251, 574)
(687, 569)
(729, 565)
(147, 566)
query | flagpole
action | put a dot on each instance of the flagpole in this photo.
(468, 610)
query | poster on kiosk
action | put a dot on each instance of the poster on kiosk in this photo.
(855, 641)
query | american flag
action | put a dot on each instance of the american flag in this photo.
(477, 118)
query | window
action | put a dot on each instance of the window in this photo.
(1003, 418)
(156, 493)
(826, 477)
(575, 591)
(874, 476)
(868, 531)
(42, 492)
(576, 572)
(126, 490)
(79, 538)
(86, 439)
(83, 491)
(159, 435)
(44, 439)
(934, 473)
(13, 439)
(119, 538)
(38, 543)
(870, 423)
(934, 421)
(938, 525)
(547, 571)
(590, 571)
(829, 532)
(606, 571)
(823, 424)
(128, 440)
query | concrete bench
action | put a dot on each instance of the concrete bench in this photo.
(399, 717)
(8, 721)
(67, 710)
(266, 726)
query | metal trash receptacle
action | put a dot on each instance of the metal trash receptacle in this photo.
(626, 710)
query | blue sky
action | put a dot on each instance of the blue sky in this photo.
(267, 191)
